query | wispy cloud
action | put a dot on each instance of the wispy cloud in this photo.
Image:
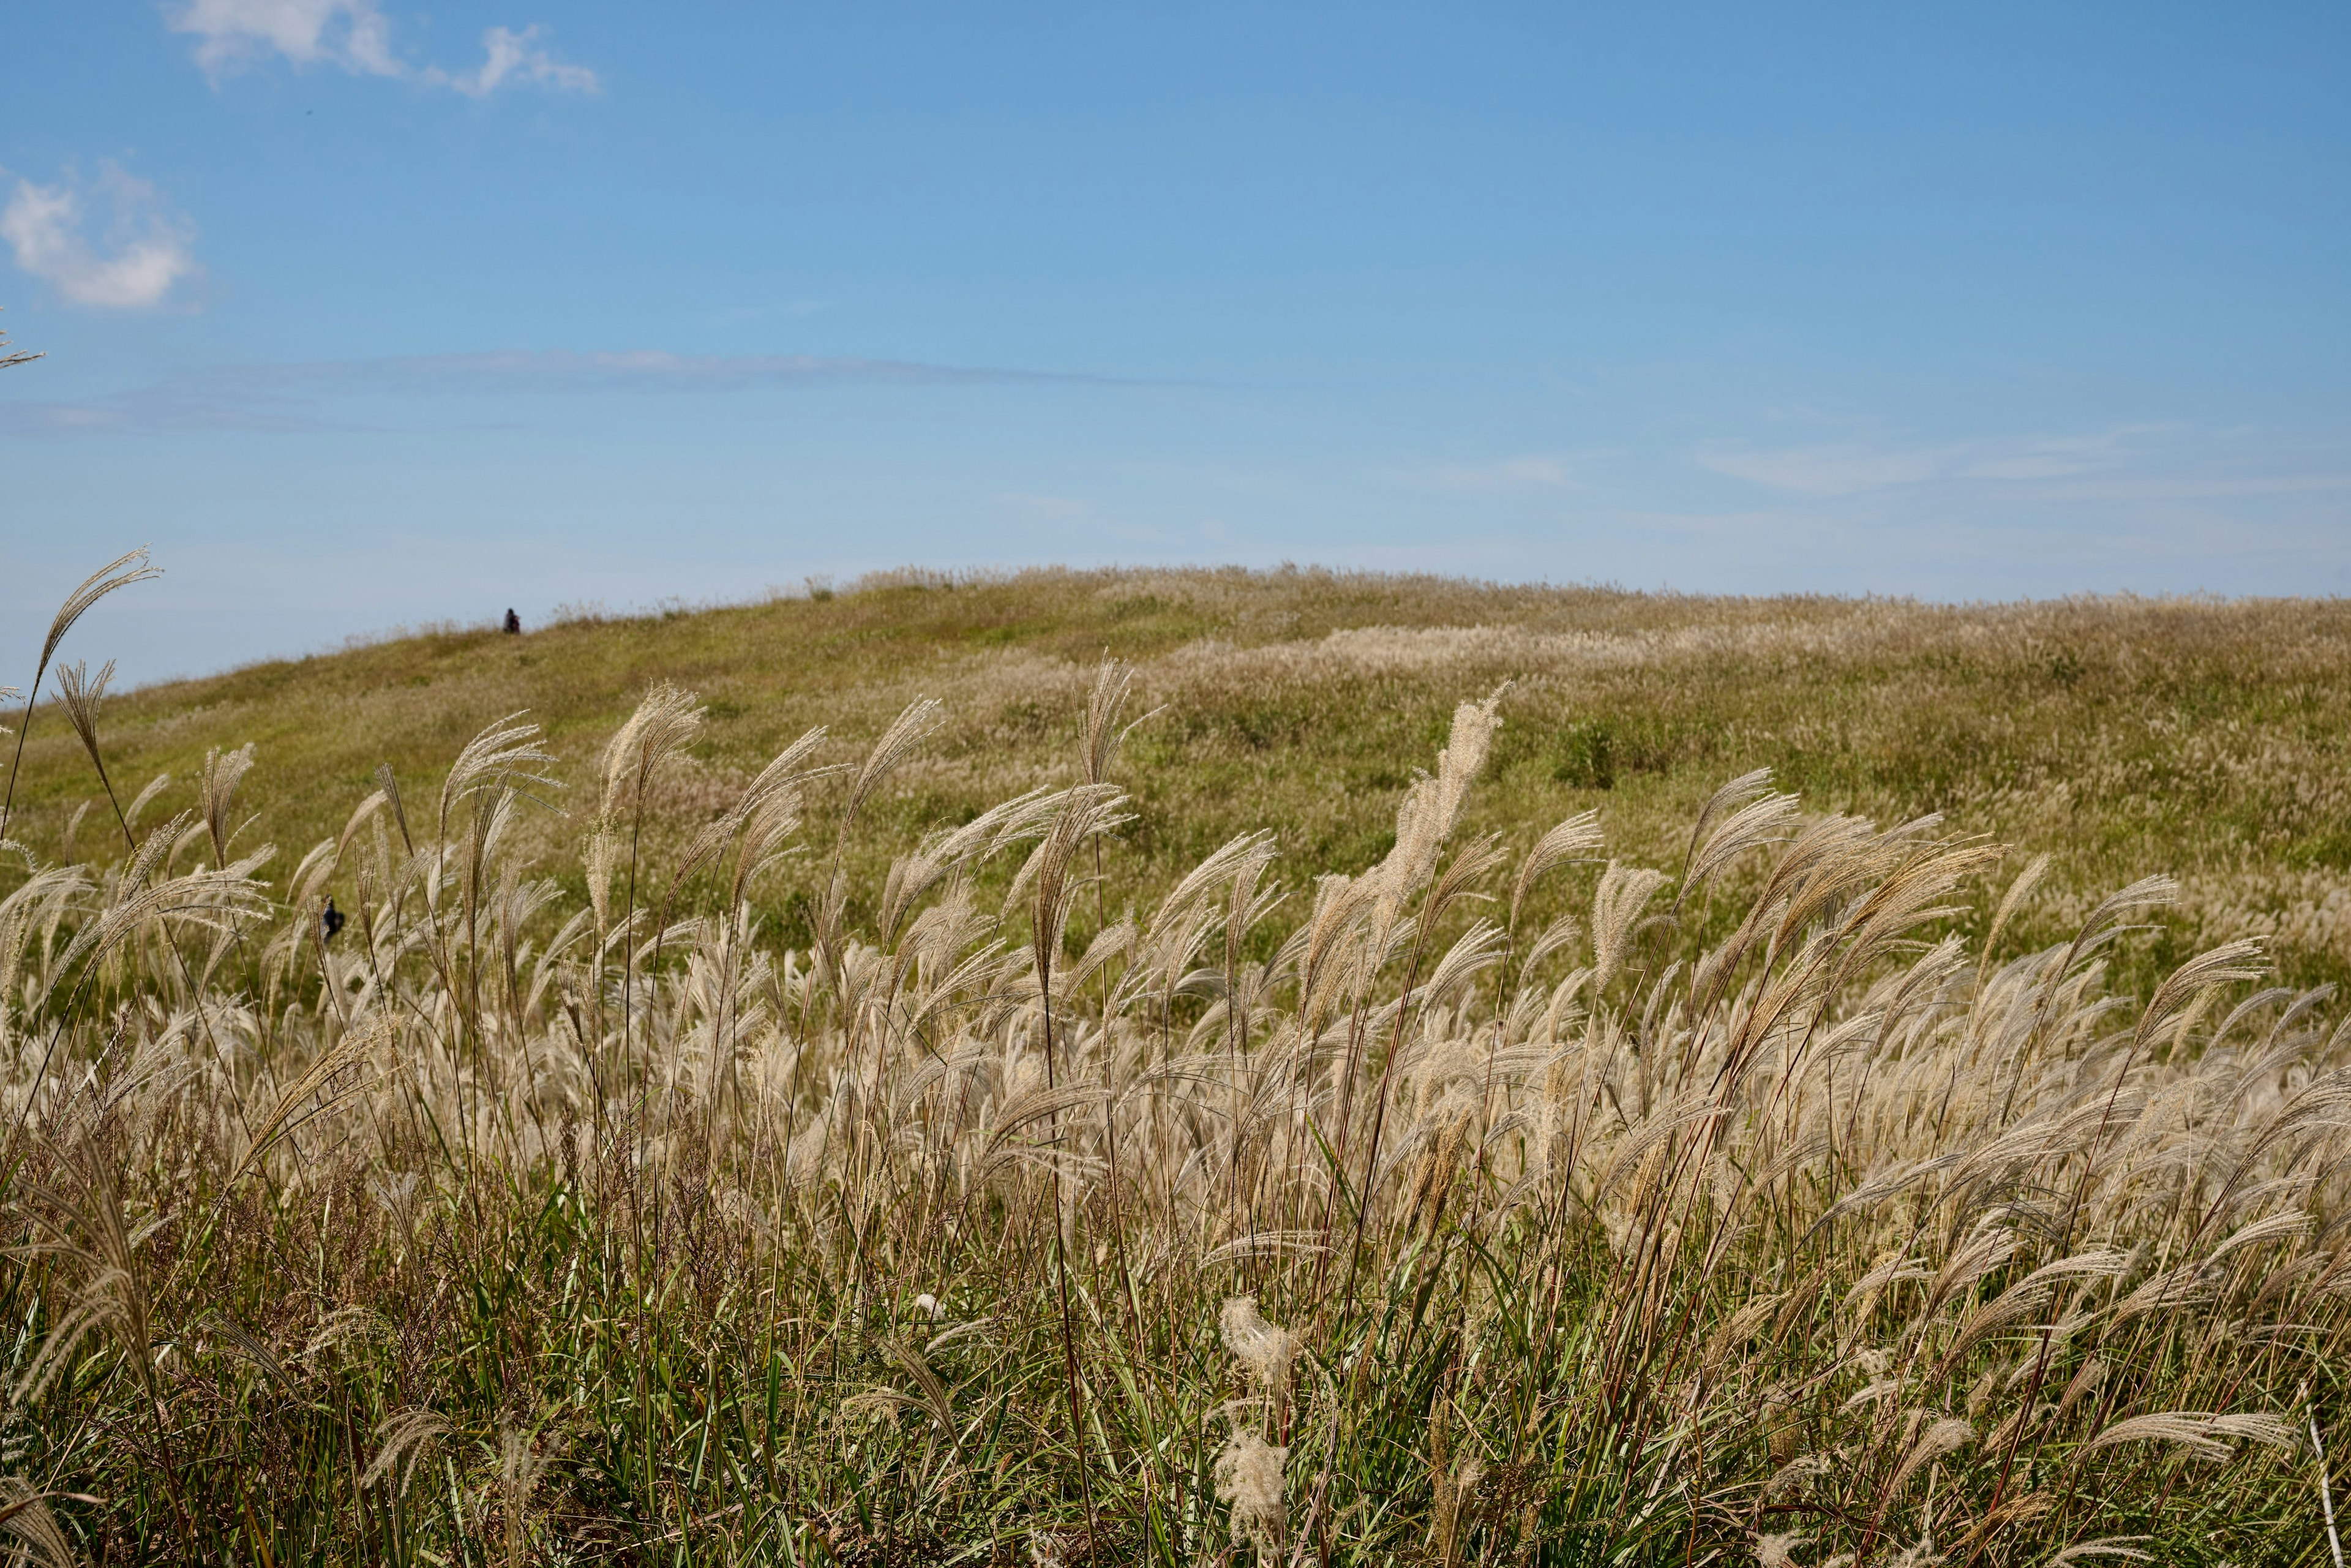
(2151, 507)
(1854, 467)
(639, 369)
(302, 397)
(356, 36)
(511, 57)
(144, 249)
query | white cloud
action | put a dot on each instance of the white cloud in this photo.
(146, 249)
(509, 56)
(231, 34)
(357, 37)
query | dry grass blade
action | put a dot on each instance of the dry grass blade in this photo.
(934, 1401)
(120, 572)
(1616, 905)
(1265, 1244)
(522, 1461)
(504, 759)
(2105, 1546)
(207, 900)
(2227, 964)
(79, 1223)
(657, 733)
(1040, 1105)
(1570, 839)
(405, 1438)
(1104, 706)
(2204, 1434)
(10, 357)
(1432, 807)
(81, 696)
(1943, 1437)
(1751, 816)
(220, 1332)
(354, 1049)
(25, 1514)
(216, 792)
(907, 731)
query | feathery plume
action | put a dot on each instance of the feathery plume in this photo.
(119, 573)
(405, 1438)
(1248, 1480)
(1264, 1348)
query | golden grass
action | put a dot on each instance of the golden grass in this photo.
(966, 1137)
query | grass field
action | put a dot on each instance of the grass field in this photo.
(2199, 738)
(1289, 1067)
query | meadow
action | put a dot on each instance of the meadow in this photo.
(1187, 1067)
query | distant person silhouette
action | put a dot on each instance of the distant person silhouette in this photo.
(514, 624)
(330, 920)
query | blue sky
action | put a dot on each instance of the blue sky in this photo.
(365, 316)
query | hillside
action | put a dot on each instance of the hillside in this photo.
(2125, 737)
(678, 1167)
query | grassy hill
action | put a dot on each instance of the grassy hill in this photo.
(622, 1185)
(2201, 738)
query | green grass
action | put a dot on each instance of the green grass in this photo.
(2125, 736)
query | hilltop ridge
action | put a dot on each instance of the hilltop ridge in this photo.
(2125, 735)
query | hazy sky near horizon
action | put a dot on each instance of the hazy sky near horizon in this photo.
(362, 315)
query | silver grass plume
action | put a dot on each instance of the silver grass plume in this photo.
(1431, 808)
(405, 1438)
(1567, 842)
(119, 573)
(216, 794)
(1248, 1480)
(1105, 704)
(521, 1462)
(1264, 1349)
(12, 357)
(25, 1511)
(1616, 905)
(2200, 1432)
(2105, 1546)
(81, 696)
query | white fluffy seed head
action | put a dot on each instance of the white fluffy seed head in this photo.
(1249, 1481)
(1265, 1349)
